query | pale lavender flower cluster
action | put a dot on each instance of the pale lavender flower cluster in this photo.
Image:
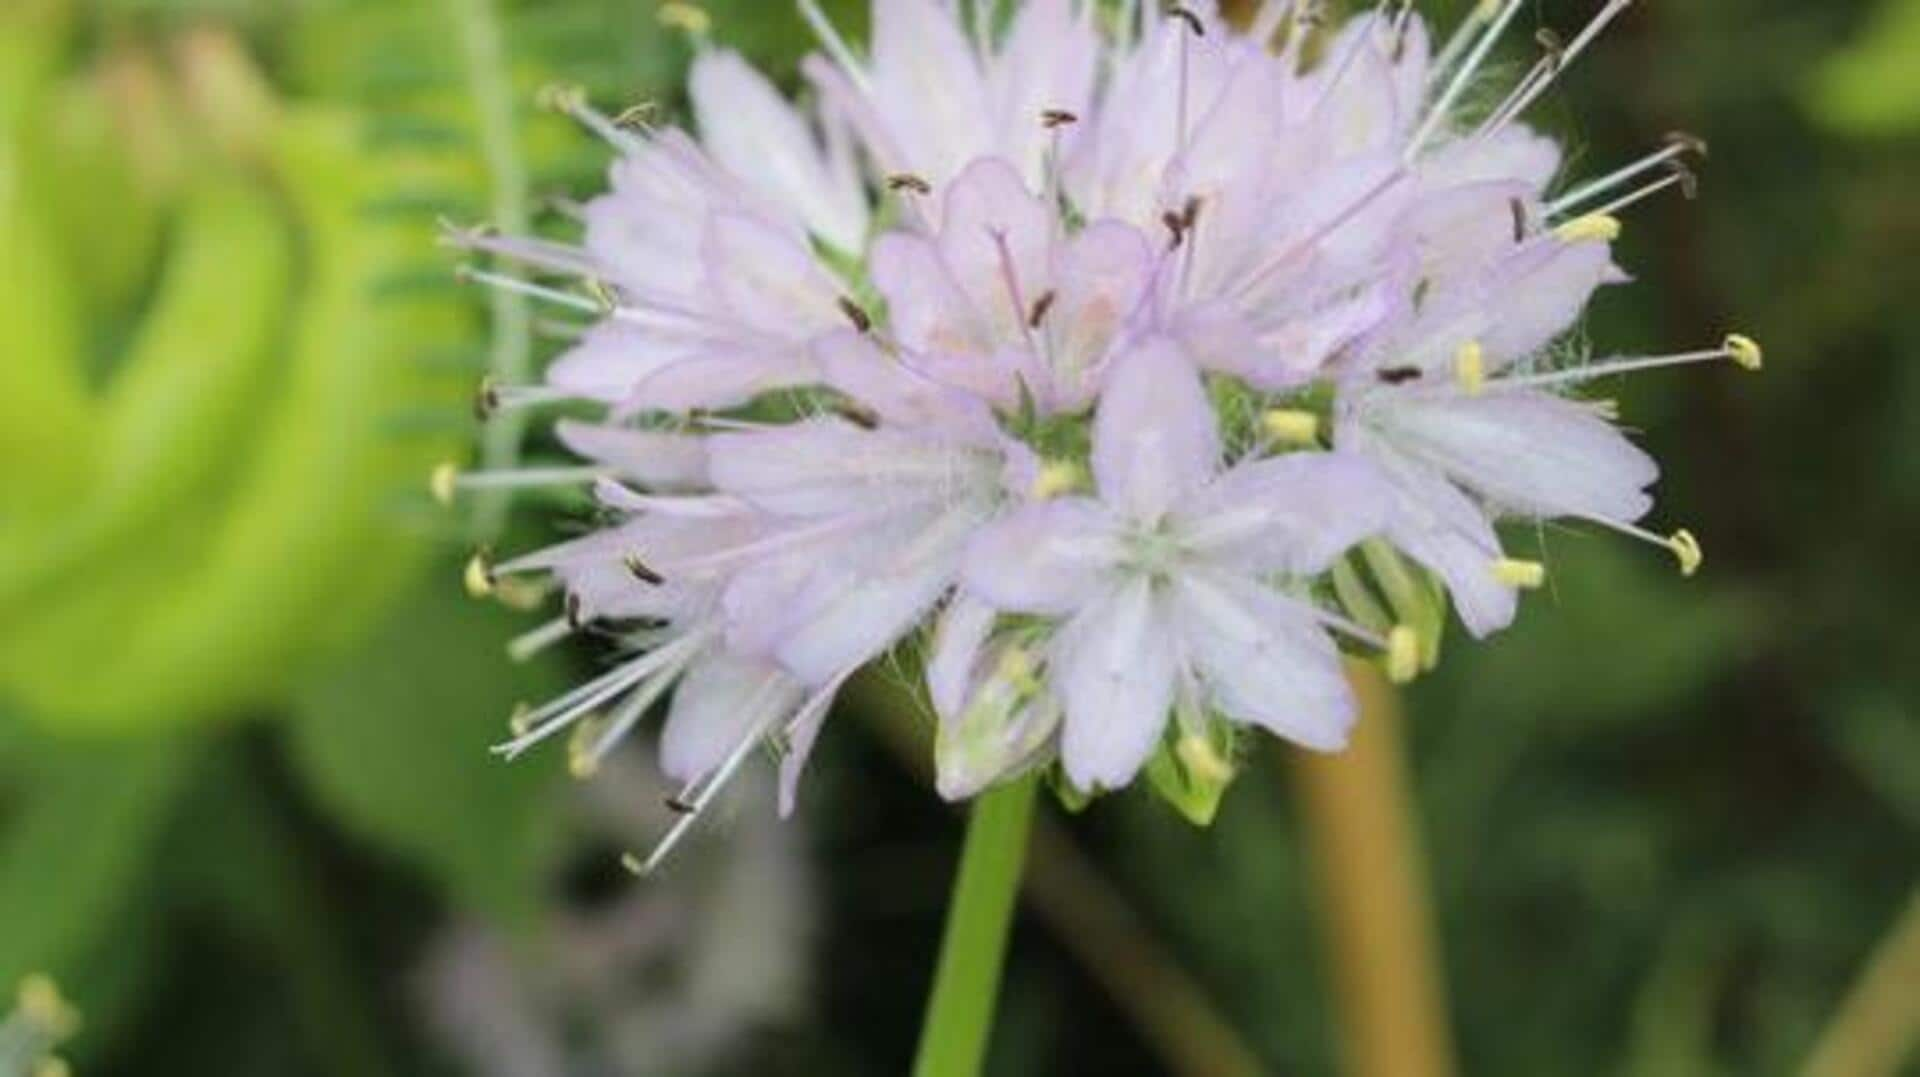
(1139, 360)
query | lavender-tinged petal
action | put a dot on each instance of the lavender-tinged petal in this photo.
(996, 239)
(766, 279)
(753, 132)
(1114, 668)
(1538, 294)
(929, 310)
(1265, 658)
(1049, 62)
(1154, 436)
(801, 735)
(1295, 513)
(650, 457)
(1049, 558)
(1100, 280)
(1531, 453)
(721, 699)
(962, 634)
(928, 88)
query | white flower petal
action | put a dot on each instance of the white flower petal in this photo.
(721, 699)
(1266, 659)
(1114, 665)
(1294, 513)
(1049, 558)
(1154, 436)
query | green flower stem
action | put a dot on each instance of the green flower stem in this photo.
(953, 1042)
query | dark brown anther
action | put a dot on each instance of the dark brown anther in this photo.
(1689, 180)
(1691, 142)
(576, 613)
(1040, 308)
(1400, 375)
(486, 400)
(1176, 229)
(856, 314)
(907, 181)
(1057, 117)
(1186, 15)
(680, 807)
(1519, 209)
(1190, 213)
(858, 414)
(641, 571)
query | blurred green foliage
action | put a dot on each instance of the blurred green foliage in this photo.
(1667, 820)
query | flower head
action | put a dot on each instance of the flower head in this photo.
(1143, 363)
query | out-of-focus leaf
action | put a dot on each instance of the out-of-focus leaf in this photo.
(75, 830)
(1874, 87)
(396, 745)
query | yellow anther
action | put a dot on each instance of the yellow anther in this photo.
(1745, 350)
(1403, 654)
(583, 758)
(520, 722)
(1687, 549)
(632, 864)
(1470, 368)
(1291, 426)
(1593, 227)
(1520, 575)
(1203, 759)
(1056, 477)
(689, 17)
(1607, 408)
(1016, 668)
(42, 1004)
(561, 97)
(442, 483)
(479, 576)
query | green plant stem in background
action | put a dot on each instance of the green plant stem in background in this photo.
(953, 1042)
(1878, 1024)
(490, 84)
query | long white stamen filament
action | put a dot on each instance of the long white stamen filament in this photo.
(528, 644)
(1287, 255)
(654, 316)
(719, 780)
(1636, 197)
(836, 46)
(1609, 368)
(1350, 628)
(572, 101)
(1612, 180)
(525, 478)
(543, 722)
(1438, 113)
(1481, 14)
(1565, 60)
(637, 705)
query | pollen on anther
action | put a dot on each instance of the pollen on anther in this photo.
(1470, 368)
(1745, 351)
(1057, 477)
(1291, 426)
(1403, 654)
(1203, 759)
(1687, 549)
(1520, 575)
(1594, 227)
(684, 16)
(478, 576)
(442, 482)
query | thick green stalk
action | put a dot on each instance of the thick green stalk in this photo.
(953, 1042)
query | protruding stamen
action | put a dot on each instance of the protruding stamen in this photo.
(524, 646)
(1742, 350)
(835, 45)
(1679, 144)
(691, 18)
(1678, 175)
(1564, 60)
(1203, 759)
(1687, 549)
(1291, 426)
(1470, 368)
(1403, 654)
(1745, 350)
(1057, 478)
(448, 480)
(1520, 575)
(478, 576)
(572, 101)
(582, 763)
(1461, 78)
(1592, 228)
